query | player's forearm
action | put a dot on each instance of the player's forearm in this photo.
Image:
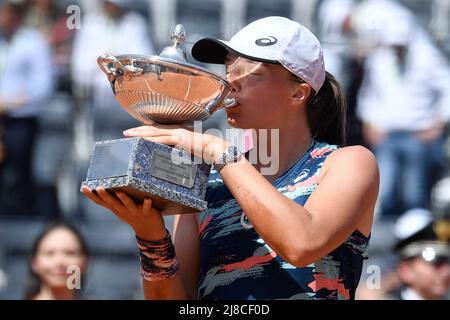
(167, 289)
(283, 224)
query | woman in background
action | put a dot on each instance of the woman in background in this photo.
(58, 254)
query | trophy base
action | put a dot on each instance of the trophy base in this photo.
(174, 180)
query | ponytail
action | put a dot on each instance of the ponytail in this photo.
(326, 113)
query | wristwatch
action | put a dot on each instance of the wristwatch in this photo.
(230, 155)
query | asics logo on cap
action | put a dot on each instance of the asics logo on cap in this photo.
(265, 42)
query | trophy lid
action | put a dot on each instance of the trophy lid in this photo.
(175, 51)
(171, 56)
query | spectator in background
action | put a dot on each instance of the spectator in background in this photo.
(422, 269)
(47, 17)
(403, 102)
(424, 252)
(57, 248)
(25, 82)
(333, 16)
(115, 30)
(342, 57)
(42, 14)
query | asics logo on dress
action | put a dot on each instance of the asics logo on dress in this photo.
(244, 221)
(302, 175)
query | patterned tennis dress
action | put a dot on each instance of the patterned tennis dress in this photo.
(236, 263)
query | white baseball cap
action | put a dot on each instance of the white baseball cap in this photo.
(276, 40)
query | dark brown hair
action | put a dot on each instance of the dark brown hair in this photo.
(326, 112)
(34, 282)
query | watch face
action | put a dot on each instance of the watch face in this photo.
(234, 151)
(231, 154)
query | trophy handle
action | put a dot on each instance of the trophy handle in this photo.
(112, 66)
(107, 64)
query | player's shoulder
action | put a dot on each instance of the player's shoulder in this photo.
(356, 159)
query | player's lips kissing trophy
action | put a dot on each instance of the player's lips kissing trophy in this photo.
(162, 89)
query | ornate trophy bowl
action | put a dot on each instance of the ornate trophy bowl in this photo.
(164, 89)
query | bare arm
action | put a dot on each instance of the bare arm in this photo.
(346, 194)
(343, 202)
(187, 246)
(168, 289)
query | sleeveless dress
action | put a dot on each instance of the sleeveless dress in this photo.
(236, 263)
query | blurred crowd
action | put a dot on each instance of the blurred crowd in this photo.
(391, 56)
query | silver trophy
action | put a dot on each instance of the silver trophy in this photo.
(165, 89)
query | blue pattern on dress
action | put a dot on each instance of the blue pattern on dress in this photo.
(236, 263)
